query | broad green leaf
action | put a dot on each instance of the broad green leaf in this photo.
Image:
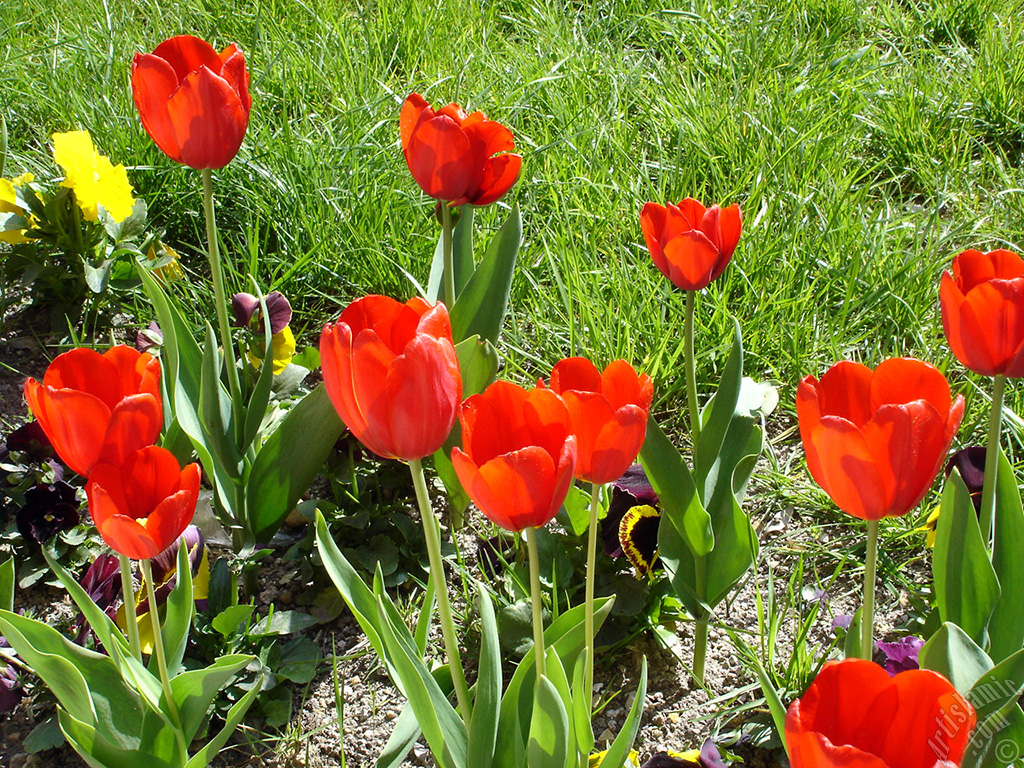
(289, 460)
(953, 654)
(230, 620)
(966, 587)
(583, 724)
(7, 584)
(100, 750)
(681, 568)
(556, 675)
(478, 364)
(1000, 685)
(547, 746)
(617, 753)
(283, 623)
(215, 410)
(194, 691)
(204, 756)
(483, 731)
(178, 619)
(998, 741)
(719, 419)
(735, 551)
(406, 731)
(677, 494)
(1006, 627)
(481, 306)
(97, 275)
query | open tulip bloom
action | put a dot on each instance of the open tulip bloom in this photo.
(875, 440)
(854, 715)
(98, 407)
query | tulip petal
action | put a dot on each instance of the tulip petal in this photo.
(692, 259)
(440, 158)
(575, 373)
(844, 391)
(336, 363)
(493, 422)
(149, 476)
(134, 423)
(547, 419)
(186, 54)
(73, 421)
(590, 414)
(153, 83)
(208, 118)
(622, 385)
(894, 378)
(841, 461)
(998, 309)
(414, 109)
(730, 224)
(236, 74)
(170, 518)
(617, 445)
(498, 175)
(522, 486)
(487, 137)
(972, 268)
(692, 212)
(652, 223)
(86, 370)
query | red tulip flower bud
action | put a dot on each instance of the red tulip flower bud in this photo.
(96, 407)
(875, 440)
(983, 311)
(142, 505)
(194, 102)
(518, 454)
(689, 243)
(608, 412)
(391, 371)
(457, 157)
(854, 715)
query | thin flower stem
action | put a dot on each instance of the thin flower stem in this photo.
(588, 616)
(220, 300)
(691, 371)
(867, 614)
(988, 494)
(536, 600)
(700, 647)
(161, 658)
(130, 617)
(449, 259)
(444, 607)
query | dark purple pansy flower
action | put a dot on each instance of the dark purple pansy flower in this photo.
(631, 490)
(30, 440)
(245, 308)
(48, 510)
(148, 338)
(708, 757)
(901, 655)
(102, 582)
(970, 462)
(11, 691)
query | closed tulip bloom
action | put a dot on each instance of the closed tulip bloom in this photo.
(194, 102)
(518, 454)
(875, 440)
(608, 412)
(854, 715)
(689, 243)
(457, 157)
(96, 407)
(392, 374)
(141, 505)
(983, 311)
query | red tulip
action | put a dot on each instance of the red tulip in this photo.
(875, 440)
(97, 407)
(689, 243)
(142, 505)
(855, 715)
(983, 311)
(194, 102)
(608, 412)
(392, 374)
(457, 157)
(519, 454)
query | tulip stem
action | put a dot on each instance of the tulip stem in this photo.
(690, 366)
(220, 300)
(444, 607)
(700, 647)
(536, 600)
(988, 494)
(867, 614)
(449, 257)
(161, 658)
(588, 616)
(131, 620)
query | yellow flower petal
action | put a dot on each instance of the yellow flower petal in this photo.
(282, 349)
(94, 180)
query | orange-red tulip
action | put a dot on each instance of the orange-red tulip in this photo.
(457, 157)
(519, 454)
(142, 505)
(194, 102)
(875, 440)
(689, 243)
(392, 374)
(855, 715)
(608, 412)
(983, 311)
(97, 407)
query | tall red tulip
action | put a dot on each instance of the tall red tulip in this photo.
(983, 311)
(689, 243)
(194, 102)
(457, 157)
(142, 505)
(855, 715)
(608, 412)
(518, 454)
(98, 407)
(392, 374)
(875, 440)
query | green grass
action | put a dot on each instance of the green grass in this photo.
(867, 143)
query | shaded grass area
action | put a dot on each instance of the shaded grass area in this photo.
(866, 143)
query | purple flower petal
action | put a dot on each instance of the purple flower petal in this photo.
(244, 306)
(901, 655)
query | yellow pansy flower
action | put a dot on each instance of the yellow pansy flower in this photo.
(282, 348)
(94, 180)
(9, 204)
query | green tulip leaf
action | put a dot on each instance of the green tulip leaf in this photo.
(717, 422)
(462, 256)
(580, 714)
(195, 690)
(483, 730)
(7, 584)
(966, 587)
(178, 619)
(953, 654)
(289, 460)
(547, 746)
(1006, 627)
(212, 748)
(618, 752)
(105, 750)
(478, 364)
